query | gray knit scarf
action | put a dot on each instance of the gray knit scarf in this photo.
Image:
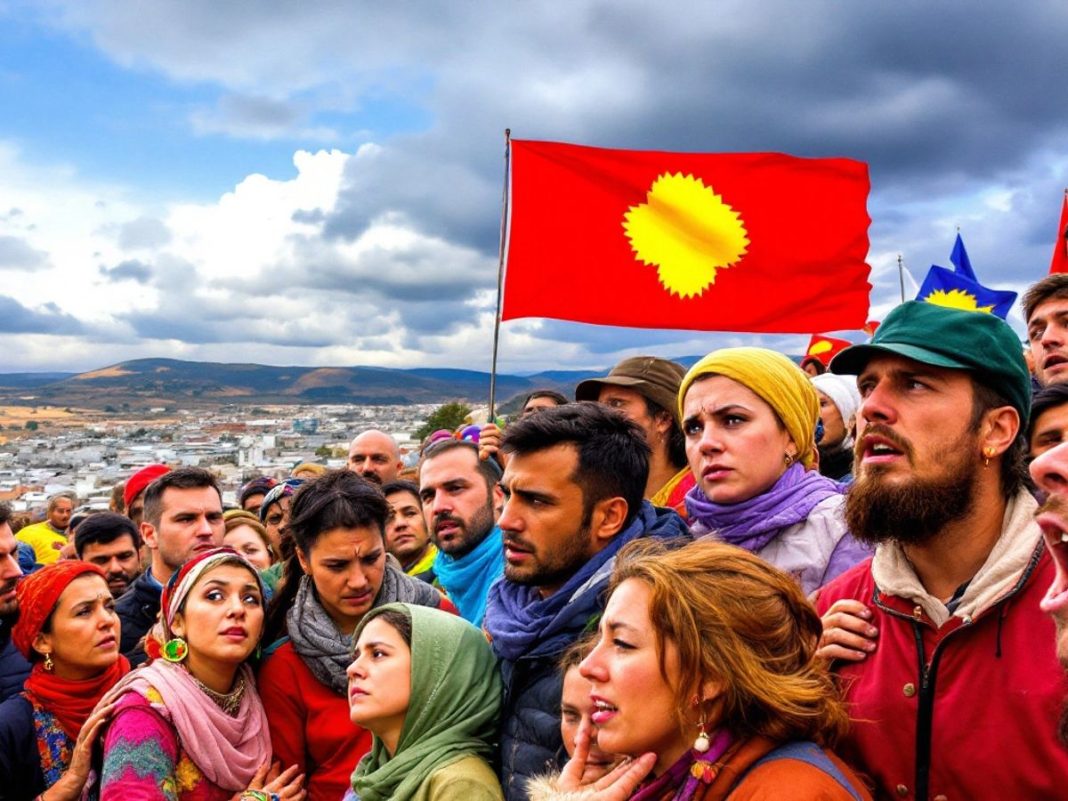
(324, 649)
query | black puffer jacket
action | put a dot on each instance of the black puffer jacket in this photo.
(13, 666)
(137, 609)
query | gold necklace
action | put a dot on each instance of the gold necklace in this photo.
(228, 702)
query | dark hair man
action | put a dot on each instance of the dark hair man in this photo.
(573, 492)
(13, 665)
(111, 542)
(374, 455)
(461, 501)
(540, 399)
(252, 493)
(1045, 308)
(952, 592)
(645, 389)
(407, 537)
(49, 537)
(1049, 419)
(182, 517)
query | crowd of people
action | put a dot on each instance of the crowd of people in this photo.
(737, 581)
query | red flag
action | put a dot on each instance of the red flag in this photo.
(824, 348)
(757, 242)
(1059, 264)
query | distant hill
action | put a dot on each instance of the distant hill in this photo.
(146, 383)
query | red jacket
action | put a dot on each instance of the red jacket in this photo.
(310, 725)
(966, 711)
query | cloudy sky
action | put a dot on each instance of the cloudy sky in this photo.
(319, 183)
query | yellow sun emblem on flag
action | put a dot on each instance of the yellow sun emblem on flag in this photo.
(687, 231)
(957, 299)
(823, 346)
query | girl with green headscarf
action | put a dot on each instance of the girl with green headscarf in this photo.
(426, 684)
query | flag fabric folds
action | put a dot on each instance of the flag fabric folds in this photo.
(1059, 263)
(753, 242)
(959, 288)
(962, 265)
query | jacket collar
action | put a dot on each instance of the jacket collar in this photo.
(1006, 566)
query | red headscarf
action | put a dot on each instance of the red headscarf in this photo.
(70, 701)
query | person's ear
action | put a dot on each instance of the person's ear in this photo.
(42, 643)
(607, 518)
(998, 430)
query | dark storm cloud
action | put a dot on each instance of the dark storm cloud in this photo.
(49, 319)
(960, 112)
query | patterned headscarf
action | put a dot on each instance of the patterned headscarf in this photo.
(283, 490)
(177, 590)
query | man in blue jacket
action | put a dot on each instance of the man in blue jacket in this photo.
(573, 492)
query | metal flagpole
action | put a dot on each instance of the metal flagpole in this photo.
(901, 275)
(500, 272)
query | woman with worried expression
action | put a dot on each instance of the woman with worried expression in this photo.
(425, 683)
(339, 572)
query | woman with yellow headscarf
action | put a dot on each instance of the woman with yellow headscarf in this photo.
(749, 417)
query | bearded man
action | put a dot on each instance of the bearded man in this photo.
(945, 658)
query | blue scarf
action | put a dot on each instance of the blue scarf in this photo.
(522, 623)
(467, 580)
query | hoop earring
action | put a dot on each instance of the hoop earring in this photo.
(175, 650)
(789, 459)
(48, 665)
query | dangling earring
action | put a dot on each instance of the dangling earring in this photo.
(702, 743)
(175, 650)
(49, 665)
(988, 454)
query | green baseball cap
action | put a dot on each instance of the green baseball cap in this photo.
(979, 342)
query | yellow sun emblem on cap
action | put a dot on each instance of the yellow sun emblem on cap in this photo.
(687, 231)
(957, 299)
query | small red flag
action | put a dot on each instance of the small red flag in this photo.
(1059, 264)
(823, 348)
(758, 242)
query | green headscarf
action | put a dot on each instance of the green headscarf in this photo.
(453, 711)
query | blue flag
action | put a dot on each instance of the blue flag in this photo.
(960, 260)
(944, 287)
(960, 289)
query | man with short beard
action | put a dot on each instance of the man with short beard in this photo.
(13, 665)
(461, 501)
(573, 492)
(944, 657)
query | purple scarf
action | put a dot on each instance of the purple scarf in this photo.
(752, 524)
(681, 781)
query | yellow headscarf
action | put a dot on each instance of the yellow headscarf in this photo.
(778, 381)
